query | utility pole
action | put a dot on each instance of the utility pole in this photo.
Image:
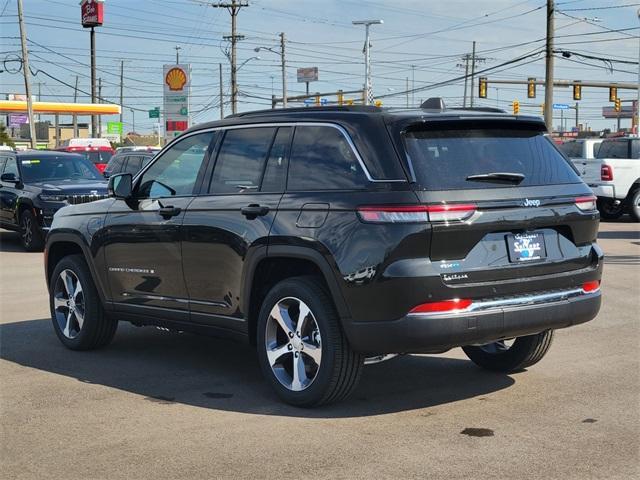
(473, 71)
(27, 78)
(122, 99)
(577, 123)
(75, 116)
(100, 101)
(39, 95)
(368, 89)
(93, 79)
(466, 59)
(284, 71)
(548, 80)
(178, 48)
(407, 90)
(233, 8)
(413, 85)
(638, 98)
(221, 94)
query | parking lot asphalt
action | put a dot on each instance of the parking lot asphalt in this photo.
(167, 405)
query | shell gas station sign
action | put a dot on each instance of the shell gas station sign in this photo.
(177, 93)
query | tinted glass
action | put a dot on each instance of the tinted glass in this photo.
(3, 160)
(322, 159)
(56, 167)
(241, 160)
(101, 156)
(175, 172)
(614, 149)
(134, 164)
(571, 149)
(275, 174)
(115, 164)
(443, 159)
(11, 166)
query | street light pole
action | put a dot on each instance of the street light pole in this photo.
(27, 78)
(284, 71)
(368, 93)
(133, 122)
(93, 80)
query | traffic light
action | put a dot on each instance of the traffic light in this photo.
(516, 107)
(613, 94)
(577, 91)
(542, 108)
(616, 105)
(531, 88)
(482, 87)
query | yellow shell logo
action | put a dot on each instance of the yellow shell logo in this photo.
(176, 79)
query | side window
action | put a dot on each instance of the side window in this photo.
(11, 166)
(175, 172)
(3, 160)
(275, 173)
(134, 163)
(115, 165)
(322, 159)
(635, 149)
(240, 162)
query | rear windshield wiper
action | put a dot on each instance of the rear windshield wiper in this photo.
(497, 177)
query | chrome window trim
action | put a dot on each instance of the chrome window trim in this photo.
(340, 128)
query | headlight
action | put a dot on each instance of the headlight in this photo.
(52, 198)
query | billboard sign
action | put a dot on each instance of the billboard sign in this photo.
(308, 74)
(92, 13)
(625, 112)
(177, 95)
(17, 119)
(114, 128)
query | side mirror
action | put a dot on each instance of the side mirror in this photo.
(121, 186)
(9, 178)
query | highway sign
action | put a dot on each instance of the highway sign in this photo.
(154, 113)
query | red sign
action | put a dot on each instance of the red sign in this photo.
(177, 125)
(92, 12)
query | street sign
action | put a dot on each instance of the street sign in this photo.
(155, 113)
(308, 74)
(324, 101)
(309, 101)
(560, 106)
(114, 128)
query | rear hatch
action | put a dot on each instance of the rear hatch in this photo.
(504, 204)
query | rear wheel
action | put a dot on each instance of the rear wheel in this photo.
(30, 232)
(609, 210)
(77, 314)
(634, 205)
(303, 353)
(504, 356)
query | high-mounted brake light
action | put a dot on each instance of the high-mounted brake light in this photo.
(416, 213)
(606, 173)
(589, 287)
(442, 306)
(586, 204)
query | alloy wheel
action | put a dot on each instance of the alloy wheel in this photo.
(68, 303)
(293, 344)
(27, 230)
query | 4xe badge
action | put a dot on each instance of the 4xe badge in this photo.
(531, 202)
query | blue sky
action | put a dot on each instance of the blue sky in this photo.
(430, 35)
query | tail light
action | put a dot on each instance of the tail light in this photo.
(586, 204)
(100, 166)
(606, 173)
(590, 287)
(453, 305)
(416, 213)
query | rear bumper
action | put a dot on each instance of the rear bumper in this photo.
(603, 190)
(481, 324)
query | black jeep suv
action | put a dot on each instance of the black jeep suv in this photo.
(324, 236)
(35, 184)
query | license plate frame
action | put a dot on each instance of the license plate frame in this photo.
(526, 247)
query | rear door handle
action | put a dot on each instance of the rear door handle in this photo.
(169, 211)
(253, 211)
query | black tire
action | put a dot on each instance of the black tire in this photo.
(97, 329)
(31, 235)
(634, 205)
(340, 367)
(524, 352)
(609, 210)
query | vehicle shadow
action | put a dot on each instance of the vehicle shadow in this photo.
(210, 373)
(10, 241)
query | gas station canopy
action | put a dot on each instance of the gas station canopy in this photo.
(12, 106)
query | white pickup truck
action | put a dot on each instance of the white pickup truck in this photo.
(614, 177)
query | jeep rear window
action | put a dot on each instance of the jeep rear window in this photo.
(442, 159)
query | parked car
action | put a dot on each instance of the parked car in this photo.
(129, 162)
(35, 184)
(97, 150)
(138, 149)
(582, 152)
(328, 235)
(615, 178)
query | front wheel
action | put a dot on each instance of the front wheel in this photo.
(634, 205)
(303, 352)
(30, 233)
(513, 356)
